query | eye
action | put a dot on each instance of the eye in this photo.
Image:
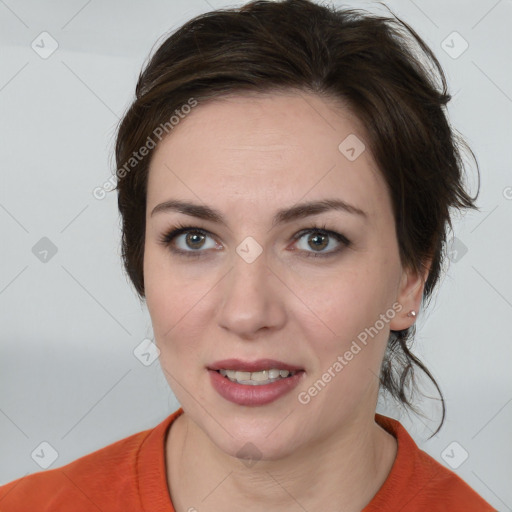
(189, 241)
(191, 238)
(318, 238)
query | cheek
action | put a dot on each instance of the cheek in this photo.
(176, 302)
(339, 302)
(165, 299)
(166, 295)
(347, 308)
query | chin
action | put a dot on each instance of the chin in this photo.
(250, 450)
(252, 440)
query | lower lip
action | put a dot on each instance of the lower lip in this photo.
(245, 394)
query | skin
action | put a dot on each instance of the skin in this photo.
(249, 156)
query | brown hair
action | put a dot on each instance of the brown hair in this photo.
(364, 61)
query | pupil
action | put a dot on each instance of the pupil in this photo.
(195, 236)
(317, 237)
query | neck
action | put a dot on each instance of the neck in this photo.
(348, 467)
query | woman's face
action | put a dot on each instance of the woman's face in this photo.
(263, 284)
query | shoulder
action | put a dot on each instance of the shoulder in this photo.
(105, 480)
(418, 482)
(443, 486)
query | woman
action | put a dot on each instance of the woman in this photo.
(285, 178)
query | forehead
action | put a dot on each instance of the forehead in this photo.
(266, 148)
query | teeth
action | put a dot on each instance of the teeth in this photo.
(256, 378)
(241, 376)
(273, 374)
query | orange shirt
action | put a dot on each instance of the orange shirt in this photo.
(129, 476)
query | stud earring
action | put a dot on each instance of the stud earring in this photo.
(412, 313)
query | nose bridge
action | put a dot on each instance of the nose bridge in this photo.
(249, 274)
(249, 298)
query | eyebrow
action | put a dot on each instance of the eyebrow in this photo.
(282, 216)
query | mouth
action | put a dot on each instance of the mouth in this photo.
(257, 378)
(254, 382)
(261, 371)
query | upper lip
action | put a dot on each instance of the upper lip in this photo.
(252, 366)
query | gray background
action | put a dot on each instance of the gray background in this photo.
(70, 325)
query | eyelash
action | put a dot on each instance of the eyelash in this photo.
(179, 229)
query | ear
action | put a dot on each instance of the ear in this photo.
(409, 295)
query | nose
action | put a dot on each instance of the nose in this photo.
(252, 299)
